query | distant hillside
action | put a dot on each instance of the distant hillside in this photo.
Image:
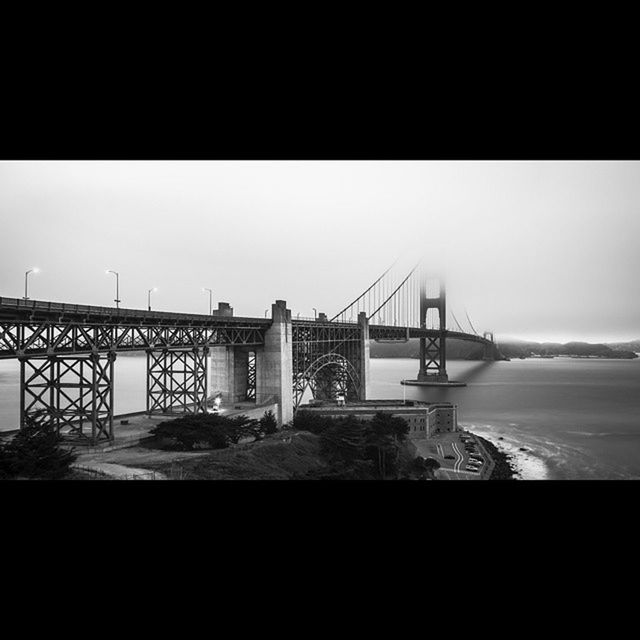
(461, 350)
(634, 345)
(584, 349)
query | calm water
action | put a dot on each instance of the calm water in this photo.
(581, 418)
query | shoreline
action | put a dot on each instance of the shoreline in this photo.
(524, 465)
(503, 469)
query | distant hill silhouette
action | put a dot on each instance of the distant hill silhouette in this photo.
(461, 350)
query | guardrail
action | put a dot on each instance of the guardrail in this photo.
(318, 321)
(21, 304)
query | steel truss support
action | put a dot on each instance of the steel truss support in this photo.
(177, 380)
(327, 359)
(74, 393)
(43, 338)
(333, 378)
(251, 376)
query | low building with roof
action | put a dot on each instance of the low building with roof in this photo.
(425, 419)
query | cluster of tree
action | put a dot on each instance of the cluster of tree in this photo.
(35, 452)
(212, 431)
(425, 468)
(357, 449)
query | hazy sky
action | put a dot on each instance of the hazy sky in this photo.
(540, 250)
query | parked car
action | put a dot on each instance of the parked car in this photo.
(472, 469)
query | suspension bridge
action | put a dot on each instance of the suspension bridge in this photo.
(67, 353)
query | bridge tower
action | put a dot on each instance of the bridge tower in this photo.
(433, 356)
(489, 347)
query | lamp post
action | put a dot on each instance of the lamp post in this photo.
(210, 299)
(265, 312)
(117, 300)
(26, 281)
(149, 291)
(315, 313)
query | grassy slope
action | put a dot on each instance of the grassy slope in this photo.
(274, 458)
(277, 457)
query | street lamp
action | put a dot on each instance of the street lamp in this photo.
(210, 299)
(149, 296)
(315, 312)
(265, 312)
(26, 275)
(117, 300)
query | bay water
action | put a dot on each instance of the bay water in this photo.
(576, 418)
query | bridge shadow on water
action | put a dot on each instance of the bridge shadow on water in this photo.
(475, 372)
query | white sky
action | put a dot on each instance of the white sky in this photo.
(537, 250)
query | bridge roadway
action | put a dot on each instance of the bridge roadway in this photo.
(35, 327)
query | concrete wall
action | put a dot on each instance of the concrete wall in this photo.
(364, 350)
(274, 363)
(240, 372)
(224, 309)
(254, 412)
(444, 420)
(228, 372)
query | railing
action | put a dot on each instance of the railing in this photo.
(21, 304)
(327, 321)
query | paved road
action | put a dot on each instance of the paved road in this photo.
(459, 457)
(119, 471)
(446, 444)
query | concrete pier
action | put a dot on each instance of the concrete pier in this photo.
(274, 363)
(364, 356)
(228, 367)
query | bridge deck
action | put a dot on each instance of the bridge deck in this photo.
(18, 309)
(37, 327)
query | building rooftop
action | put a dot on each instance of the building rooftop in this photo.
(372, 404)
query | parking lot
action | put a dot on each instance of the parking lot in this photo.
(459, 455)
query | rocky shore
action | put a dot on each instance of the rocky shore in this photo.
(503, 469)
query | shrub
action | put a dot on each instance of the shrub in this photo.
(309, 421)
(36, 452)
(207, 430)
(425, 466)
(268, 423)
